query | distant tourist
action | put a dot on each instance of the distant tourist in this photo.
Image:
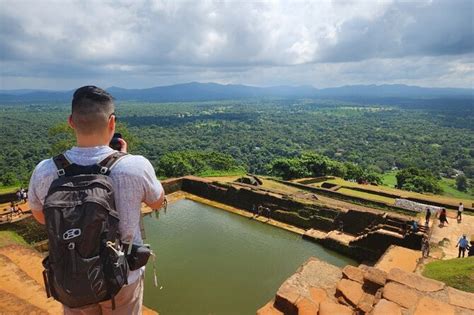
(427, 216)
(24, 195)
(341, 226)
(414, 226)
(443, 217)
(18, 194)
(463, 244)
(471, 249)
(460, 210)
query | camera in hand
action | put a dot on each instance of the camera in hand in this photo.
(115, 143)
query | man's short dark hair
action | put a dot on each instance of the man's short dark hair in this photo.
(91, 109)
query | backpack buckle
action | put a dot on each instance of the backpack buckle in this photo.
(61, 172)
(103, 170)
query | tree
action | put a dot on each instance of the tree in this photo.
(462, 183)
(417, 180)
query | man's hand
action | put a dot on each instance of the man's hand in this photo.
(123, 145)
(157, 204)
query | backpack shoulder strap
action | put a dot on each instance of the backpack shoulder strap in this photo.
(61, 163)
(107, 163)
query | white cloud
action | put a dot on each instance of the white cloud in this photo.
(145, 43)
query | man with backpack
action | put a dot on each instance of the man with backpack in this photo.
(90, 199)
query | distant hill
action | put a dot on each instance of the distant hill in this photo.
(195, 91)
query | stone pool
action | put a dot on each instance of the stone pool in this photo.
(210, 261)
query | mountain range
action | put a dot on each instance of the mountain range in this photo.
(195, 91)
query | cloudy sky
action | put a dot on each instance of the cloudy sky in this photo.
(65, 44)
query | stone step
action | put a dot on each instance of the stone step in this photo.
(27, 259)
(16, 282)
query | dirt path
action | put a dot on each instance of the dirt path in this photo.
(446, 237)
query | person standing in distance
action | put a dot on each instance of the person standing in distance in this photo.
(134, 181)
(460, 210)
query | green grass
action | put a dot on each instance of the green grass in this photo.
(214, 173)
(10, 238)
(449, 189)
(368, 196)
(457, 273)
(8, 189)
(389, 179)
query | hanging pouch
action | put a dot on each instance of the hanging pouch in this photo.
(138, 256)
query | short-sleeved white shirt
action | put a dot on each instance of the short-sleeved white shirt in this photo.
(134, 181)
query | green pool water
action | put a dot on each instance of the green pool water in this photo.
(210, 261)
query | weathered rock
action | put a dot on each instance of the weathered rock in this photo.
(353, 273)
(366, 303)
(317, 295)
(269, 309)
(306, 306)
(400, 294)
(384, 307)
(285, 299)
(461, 298)
(375, 276)
(429, 306)
(330, 308)
(414, 281)
(351, 290)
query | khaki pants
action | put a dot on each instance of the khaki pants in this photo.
(128, 301)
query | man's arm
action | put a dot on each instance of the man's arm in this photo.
(38, 215)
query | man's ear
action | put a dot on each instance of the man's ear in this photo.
(111, 124)
(70, 122)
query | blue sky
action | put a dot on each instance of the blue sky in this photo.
(65, 44)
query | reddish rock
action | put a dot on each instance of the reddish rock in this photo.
(429, 306)
(268, 309)
(306, 307)
(317, 295)
(331, 308)
(353, 273)
(375, 276)
(414, 281)
(384, 307)
(351, 290)
(285, 299)
(461, 298)
(366, 303)
(400, 294)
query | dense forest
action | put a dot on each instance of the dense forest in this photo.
(251, 135)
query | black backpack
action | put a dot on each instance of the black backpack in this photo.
(86, 263)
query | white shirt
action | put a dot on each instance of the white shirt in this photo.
(461, 208)
(134, 182)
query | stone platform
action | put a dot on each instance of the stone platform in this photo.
(319, 288)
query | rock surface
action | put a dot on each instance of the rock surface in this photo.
(400, 294)
(429, 306)
(384, 307)
(351, 290)
(378, 293)
(331, 308)
(415, 281)
(461, 298)
(353, 273)
(374, 275)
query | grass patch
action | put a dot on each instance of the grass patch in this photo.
(8, 189)
(214, 173)
(367, 196)
(449, 189)
(457, 273)
(389, 179)
(11, 238)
